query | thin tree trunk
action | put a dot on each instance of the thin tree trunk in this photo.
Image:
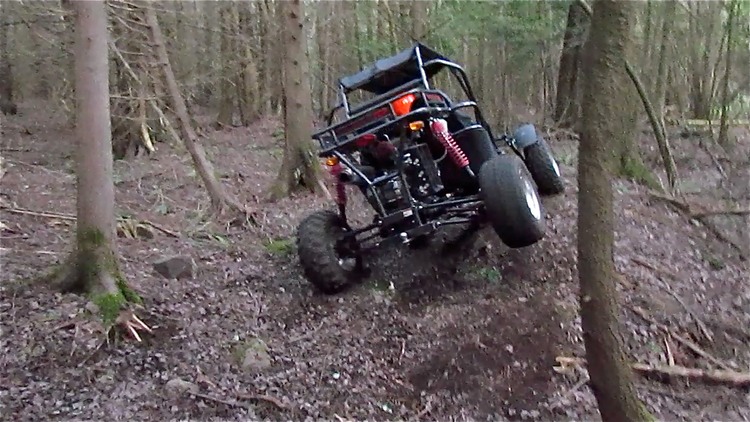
(247, 77)
(723, 126)
(93, 267)
(660, 89)
(220, 199)
(226, 101)
(611, 377)
(300, 167)
(7, 104)
(419, 19)
(567, 79)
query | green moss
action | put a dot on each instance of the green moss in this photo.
(280, 247)
(489, 274)
(90, 237)
(714, 262)
(639, 173)
(109, 305)
(129, 294)
(92, 264)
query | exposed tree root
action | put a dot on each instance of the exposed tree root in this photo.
(97, 274)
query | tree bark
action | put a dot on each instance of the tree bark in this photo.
(611, 378)
(660, 89)
(300, 166)
(630, 161)
(247, 79)
(7, 104)
(93, 267)
(220, 199)
(227, 91)
(723, 126)
(419, 19)
(566, 106)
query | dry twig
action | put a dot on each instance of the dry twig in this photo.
(698, 321)
(69, 217)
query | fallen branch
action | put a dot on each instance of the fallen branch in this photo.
(709, 213)
(698, 321)
(237, 402)
(69, 217)
(264, 397)
(684, 341)
(703, 219)
(731, 378)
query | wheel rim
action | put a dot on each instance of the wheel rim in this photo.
(345, 255)
(532, 199)
(554, 166)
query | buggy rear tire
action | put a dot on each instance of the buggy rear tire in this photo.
(511, 201)
(543, 168)
(321, 253)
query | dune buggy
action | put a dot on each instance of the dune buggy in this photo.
(422, 162)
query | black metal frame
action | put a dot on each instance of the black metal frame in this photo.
(332, 144)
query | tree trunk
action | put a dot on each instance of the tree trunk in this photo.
(724, 127)
(300, 166)
(566, 106)
(324, 34)
(7, 104)
(418, 19)
(226, 102)
(701, 78)
(247, 79)
(660, 89)
(94, 266)
(219, 197)
(611, 378)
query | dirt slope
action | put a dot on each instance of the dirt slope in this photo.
(472, 335)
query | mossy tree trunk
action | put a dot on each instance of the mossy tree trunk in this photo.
(601, 131)
(93, 267)
(300, 167)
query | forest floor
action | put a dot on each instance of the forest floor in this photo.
(469, 336)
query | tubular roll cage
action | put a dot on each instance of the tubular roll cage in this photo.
(333, 143)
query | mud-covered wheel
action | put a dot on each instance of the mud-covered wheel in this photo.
(543, 168)
(511, 201)
(329, 261)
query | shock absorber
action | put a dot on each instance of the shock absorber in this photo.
(336, 170)
(439, 128)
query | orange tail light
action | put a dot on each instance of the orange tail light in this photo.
(402, 105)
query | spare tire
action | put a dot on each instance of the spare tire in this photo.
(511, 202)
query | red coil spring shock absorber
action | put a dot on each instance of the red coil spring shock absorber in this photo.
(439, 128)
(336, 170)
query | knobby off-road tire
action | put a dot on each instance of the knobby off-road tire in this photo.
(544, 169)
(317, 238)
(511, 201)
